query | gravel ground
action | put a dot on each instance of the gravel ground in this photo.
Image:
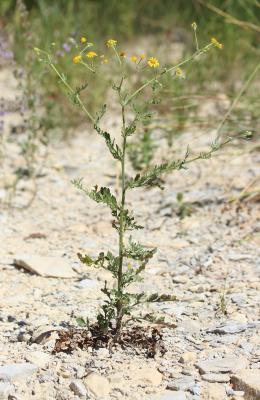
(208, 259)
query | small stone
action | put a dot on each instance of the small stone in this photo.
(220, 378)
(78, 388)
(13, 372)
(168, 395)
(188, 357)
(228, 328)
(247, 380)
(44, 334)
(183, 383)
(224, 365)
(87, 284)
(195, 389)
(149, 376)
(55, 267)
(97, 385)
(216, 392)
(38, 358)
(5, 390)
(239, 299)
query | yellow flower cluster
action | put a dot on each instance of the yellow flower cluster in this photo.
(179, 73)
(91, 54)
(111, 43)
(83, 39)
(216, 43)
(77, 59)
(153, 62)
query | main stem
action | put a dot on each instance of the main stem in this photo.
(120, 311)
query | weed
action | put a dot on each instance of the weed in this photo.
(132, 257)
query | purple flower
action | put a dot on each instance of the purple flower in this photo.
(60, 53)
(66, 47)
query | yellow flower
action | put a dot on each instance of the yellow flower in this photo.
(111, 43)
(91, 54)
(179, 73)
(77, 59)
(134, 59)
(153, 62)
(83, 39)
(216, 43)
(142, 56)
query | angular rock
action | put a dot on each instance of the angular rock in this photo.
(87, 284)
(213, 378)
(44, 334)
(248, 380)
(55, 267)
(224, 365)
(78, 388)
(183, 383)
(5, 390)
(168, 395)
(38, 358)
(149, 376)
(216, 392)
(188, 357)
(97, 385)
(228, 328)
(13, 372)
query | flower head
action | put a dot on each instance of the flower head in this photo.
(111, 43)
(179, 72)
(134, 59)
(153, 62)
(77, 59)
(194, 26)
(83, 39)
(142, 56)
(91, 54)
(216, 43)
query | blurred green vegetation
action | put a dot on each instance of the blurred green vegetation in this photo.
(42, 22)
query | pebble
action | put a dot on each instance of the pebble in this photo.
(224, 365)
(38, 358)
(220, 378)
(5, 390)
(188, 357)
(55, 267)
(78, 388)
(168, 395)
(228, 328)
(13, 372)
(149, 376)
(184, 383)
(97, 385)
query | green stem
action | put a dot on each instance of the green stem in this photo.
(121, 229)
(65, 83)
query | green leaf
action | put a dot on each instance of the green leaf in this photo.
(102, 195)
(81, 322)
(151, 177)
(112, 146)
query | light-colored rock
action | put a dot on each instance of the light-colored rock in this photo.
(5, 390)
(213, 378)
(78, 388)
(44, 334)
(87, 284)
(38, 358)
(229, 327)
(216, 392)
(183, 383)
(248, 380)
(224, 365)
(55, 267)
(14, 372)
(188, 357)
(149, 376)
(97, 385)
(168, 395)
